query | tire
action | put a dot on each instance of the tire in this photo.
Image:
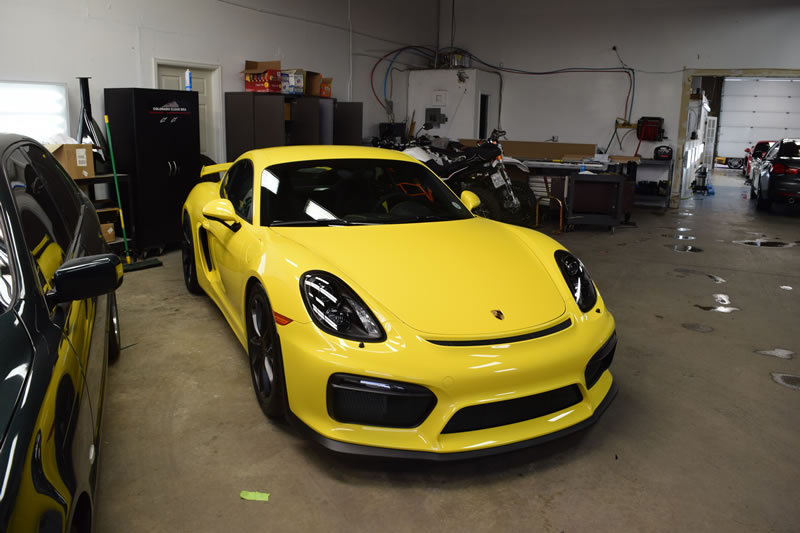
(490, 206)
(264, 354)
(188, 258)
(763, 203)
(114, 336)
(525, 214)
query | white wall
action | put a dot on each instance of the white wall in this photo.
(660, 36)
(116, 41)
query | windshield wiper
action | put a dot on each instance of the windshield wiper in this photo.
(322, 222)
(420, 218)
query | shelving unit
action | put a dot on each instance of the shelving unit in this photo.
(655, 200)
(107, 209)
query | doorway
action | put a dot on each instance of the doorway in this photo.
(206, 83)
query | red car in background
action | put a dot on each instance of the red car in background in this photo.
(757, 151)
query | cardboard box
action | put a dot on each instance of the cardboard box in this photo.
(262, 76)
(325, 88)
(313, 83)
(77, 159)
(109, 234)
(293, 81)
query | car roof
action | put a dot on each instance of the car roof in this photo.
(287, 154)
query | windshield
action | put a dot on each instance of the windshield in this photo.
(355, 191)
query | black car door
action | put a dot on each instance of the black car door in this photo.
(55, 223)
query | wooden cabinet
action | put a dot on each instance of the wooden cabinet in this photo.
(156, 139)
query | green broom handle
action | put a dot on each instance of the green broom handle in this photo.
(116, 186)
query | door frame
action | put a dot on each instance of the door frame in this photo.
(217, 153)
(683, 117)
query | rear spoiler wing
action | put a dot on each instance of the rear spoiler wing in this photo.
(214, 169)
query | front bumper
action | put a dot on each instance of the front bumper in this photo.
(462, 377)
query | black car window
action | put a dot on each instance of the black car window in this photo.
(59, 184)
(45, 233)
(358, 191)
(238, 188)
(6, 279)
(760, 149)
(789, 148)
(772, 151)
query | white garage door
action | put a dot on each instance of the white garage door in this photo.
(757, 109)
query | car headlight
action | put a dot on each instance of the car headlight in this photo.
(337, 310)
(577, 279)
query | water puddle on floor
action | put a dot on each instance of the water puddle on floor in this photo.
(684, 248)
(683, 230)
(787, 380)
(723, 305)
(712, 277)
(786, 287)
(766, 243)
(716, 279)
(700, 328)
(679, 236)
(685, 214)
(780, 353)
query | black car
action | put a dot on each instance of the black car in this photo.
(59, 326)
(778, 177)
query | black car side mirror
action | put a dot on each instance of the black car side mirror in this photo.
(86, 277)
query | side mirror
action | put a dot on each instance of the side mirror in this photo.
(86, 277)
(747, 150)
(221, 211)
(470, 199)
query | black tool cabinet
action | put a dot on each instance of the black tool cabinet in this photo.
(156, 140)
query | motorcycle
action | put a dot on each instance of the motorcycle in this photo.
(482, 170)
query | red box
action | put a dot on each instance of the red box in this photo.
(262, 76)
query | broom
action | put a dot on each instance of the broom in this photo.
(128, 266)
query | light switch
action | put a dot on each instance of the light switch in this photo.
(440, 98)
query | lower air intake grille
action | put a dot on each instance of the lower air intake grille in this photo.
(512, 411)
(600, 361)
(378, 402)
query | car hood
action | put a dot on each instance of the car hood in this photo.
(442, 278)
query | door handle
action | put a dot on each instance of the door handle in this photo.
(169, 165)
(175, 166)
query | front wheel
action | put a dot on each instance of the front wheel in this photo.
(524, 214)
(188, 259)
(264, 352)
(114, 336)
(490, 206)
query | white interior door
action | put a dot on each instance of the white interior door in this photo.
(174, 78)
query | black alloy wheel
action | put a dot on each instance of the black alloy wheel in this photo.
(187, 258)
(114, 336)
(264, 351)
(490, 206)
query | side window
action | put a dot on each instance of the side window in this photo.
(6, 279)
(45, 233)
(772, 151)
(238, 189)
(59, 184)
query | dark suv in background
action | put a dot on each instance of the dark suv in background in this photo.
(777, 179)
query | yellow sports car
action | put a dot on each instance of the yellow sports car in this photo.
(383, 317)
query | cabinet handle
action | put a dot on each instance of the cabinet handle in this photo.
(175, 166)
(169, 165)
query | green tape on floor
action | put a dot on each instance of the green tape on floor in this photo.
(254, 496)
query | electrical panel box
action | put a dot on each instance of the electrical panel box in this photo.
(468, 98)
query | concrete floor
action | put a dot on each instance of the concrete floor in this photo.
(700, 437)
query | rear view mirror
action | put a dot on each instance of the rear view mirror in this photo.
(86, 277)
(470, 200)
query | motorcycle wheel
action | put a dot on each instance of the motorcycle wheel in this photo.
(525, 214)
(490, 206)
